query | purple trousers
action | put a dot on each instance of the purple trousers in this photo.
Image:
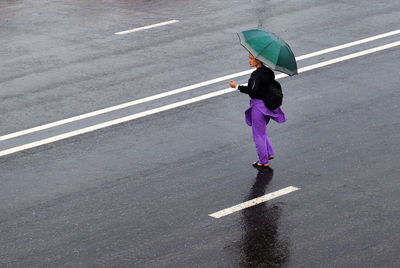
(258, 117)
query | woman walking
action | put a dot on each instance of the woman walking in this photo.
(258, 115)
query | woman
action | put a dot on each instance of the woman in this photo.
(258, 115)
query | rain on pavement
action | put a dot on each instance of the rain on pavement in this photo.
(138, 193)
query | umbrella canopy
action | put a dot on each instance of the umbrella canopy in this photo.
(270, 49)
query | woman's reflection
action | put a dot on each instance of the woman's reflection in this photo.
(260, 244)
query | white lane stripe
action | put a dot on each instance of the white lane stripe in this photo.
(147, 27)
(348, 57)
(177, 91)
(121, 106)
(182, 103)
(355, 43)
(113, 122)
(253, 202)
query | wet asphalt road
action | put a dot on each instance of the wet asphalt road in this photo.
(138, 194)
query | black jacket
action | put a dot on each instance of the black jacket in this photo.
(262, 85)
(259, 82)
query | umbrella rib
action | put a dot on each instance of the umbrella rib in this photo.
(273, 65)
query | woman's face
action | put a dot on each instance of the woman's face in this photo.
(253, 62)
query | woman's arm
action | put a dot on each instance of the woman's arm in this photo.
(243, 89)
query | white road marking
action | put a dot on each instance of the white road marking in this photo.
(348, 57)
(355, 43)
(121, 106)
(253, 202)
(113, 122)
(182, 103)
(147, 27)
(181, 90)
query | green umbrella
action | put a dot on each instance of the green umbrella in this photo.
(269, 49)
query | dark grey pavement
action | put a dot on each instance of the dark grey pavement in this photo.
(139, 194)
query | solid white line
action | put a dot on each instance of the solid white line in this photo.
(253, 202)
(185, 102)
(348, 57)
(355, 43)
(114, 122)
(147, 27)
(179, 90)
(124, 105)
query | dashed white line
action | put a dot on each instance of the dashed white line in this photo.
(147, 27)
(253, 202)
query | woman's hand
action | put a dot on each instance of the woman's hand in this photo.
(232, 84)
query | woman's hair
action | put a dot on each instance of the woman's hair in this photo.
(256, 59)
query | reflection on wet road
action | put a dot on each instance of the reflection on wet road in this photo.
(260, 245)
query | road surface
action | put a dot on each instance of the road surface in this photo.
(134, 185)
